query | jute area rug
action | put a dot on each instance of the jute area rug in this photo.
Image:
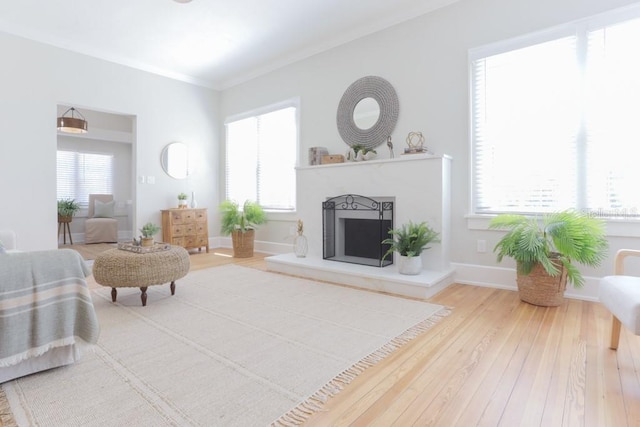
(234, 347)
(89, 252)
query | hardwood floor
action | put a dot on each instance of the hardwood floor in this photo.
(495, 361)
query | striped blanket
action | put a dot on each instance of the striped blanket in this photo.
(44, 304)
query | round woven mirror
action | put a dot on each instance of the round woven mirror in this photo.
(380, 91)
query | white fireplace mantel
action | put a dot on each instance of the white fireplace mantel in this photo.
(419, 183)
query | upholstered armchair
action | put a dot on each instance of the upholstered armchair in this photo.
(620, 293)
(101, 226)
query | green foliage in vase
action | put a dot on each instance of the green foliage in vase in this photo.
(365, 150)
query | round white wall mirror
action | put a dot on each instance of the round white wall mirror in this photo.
(366, 113)
(175, 160)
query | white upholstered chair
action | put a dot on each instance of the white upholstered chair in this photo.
(101, 226)
(621, 295)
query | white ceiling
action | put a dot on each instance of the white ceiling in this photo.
(214, 43)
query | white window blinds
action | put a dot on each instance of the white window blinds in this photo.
(553, 124)
(81, 174)
(524, 128)
(261, 156)
(612, 83)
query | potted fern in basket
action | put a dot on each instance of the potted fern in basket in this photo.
(67, 208)
(545, 250)
(241, 225)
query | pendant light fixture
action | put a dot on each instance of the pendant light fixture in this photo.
(71, 123)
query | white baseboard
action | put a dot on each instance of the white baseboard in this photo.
(505, 278)
(258, 245)
(78, 238)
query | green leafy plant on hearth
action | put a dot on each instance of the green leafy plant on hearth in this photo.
(410, 239)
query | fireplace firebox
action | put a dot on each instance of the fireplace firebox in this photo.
(354, 227)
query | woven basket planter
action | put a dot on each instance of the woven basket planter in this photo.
(243, 243)
(539, 288)
(64, 219)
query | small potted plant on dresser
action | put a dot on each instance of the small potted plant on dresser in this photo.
(409, 241)
(182, 200)
(546, 248)
(241, 225)
(148, 231)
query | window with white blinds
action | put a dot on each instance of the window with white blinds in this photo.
(554, 123)
(81, 174)
(261, 152)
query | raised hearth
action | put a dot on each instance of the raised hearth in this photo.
(420, 187)
(386, 279)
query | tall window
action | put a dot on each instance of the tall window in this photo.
(261, 159)
(554, 124)
(81, 174)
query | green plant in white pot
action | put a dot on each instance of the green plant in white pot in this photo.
(182, 200)
(241, 225)
(409, 241)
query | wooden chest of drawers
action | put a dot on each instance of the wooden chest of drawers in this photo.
(185, 227)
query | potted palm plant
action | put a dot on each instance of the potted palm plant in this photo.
(241, 225)
(545, 250)
(409, 241)
(148, 231)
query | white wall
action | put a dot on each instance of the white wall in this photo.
(426, 61)
(35, 78)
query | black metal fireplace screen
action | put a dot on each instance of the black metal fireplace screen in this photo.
(354, 227)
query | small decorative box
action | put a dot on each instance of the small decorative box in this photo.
(332, 158)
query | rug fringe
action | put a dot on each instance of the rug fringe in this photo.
(315, 403)
(6, 416)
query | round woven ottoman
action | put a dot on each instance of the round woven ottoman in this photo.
(123, 269)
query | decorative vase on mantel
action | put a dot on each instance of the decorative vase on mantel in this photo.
(194, 203)
(300, 244)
